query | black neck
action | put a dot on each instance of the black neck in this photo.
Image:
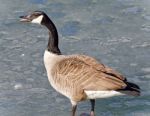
(53, 37)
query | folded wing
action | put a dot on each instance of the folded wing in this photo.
(80, 73)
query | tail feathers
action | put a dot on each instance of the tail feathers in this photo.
(131, 89)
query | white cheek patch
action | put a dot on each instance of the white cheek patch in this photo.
(38, 20)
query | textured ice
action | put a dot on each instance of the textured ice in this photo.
(147, 76)
(70, 28)
(115, 32)
(132, 10)
(147, 69)
(18, 86)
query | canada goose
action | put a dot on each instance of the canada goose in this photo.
(79, 77)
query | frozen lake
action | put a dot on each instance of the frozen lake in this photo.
(117, 32)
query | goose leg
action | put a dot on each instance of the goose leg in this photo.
(74, 107)
(92, 107)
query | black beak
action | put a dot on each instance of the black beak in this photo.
(25, 19)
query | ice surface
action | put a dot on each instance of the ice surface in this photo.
(115, 32)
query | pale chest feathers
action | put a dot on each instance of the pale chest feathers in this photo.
(50, 60)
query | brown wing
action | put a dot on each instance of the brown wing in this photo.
(99, 66)
(79, 74)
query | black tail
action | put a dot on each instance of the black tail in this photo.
(131, 89)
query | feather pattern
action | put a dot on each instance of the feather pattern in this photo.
(75, 74)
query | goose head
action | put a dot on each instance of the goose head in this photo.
(41, 18)
(38, 17)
